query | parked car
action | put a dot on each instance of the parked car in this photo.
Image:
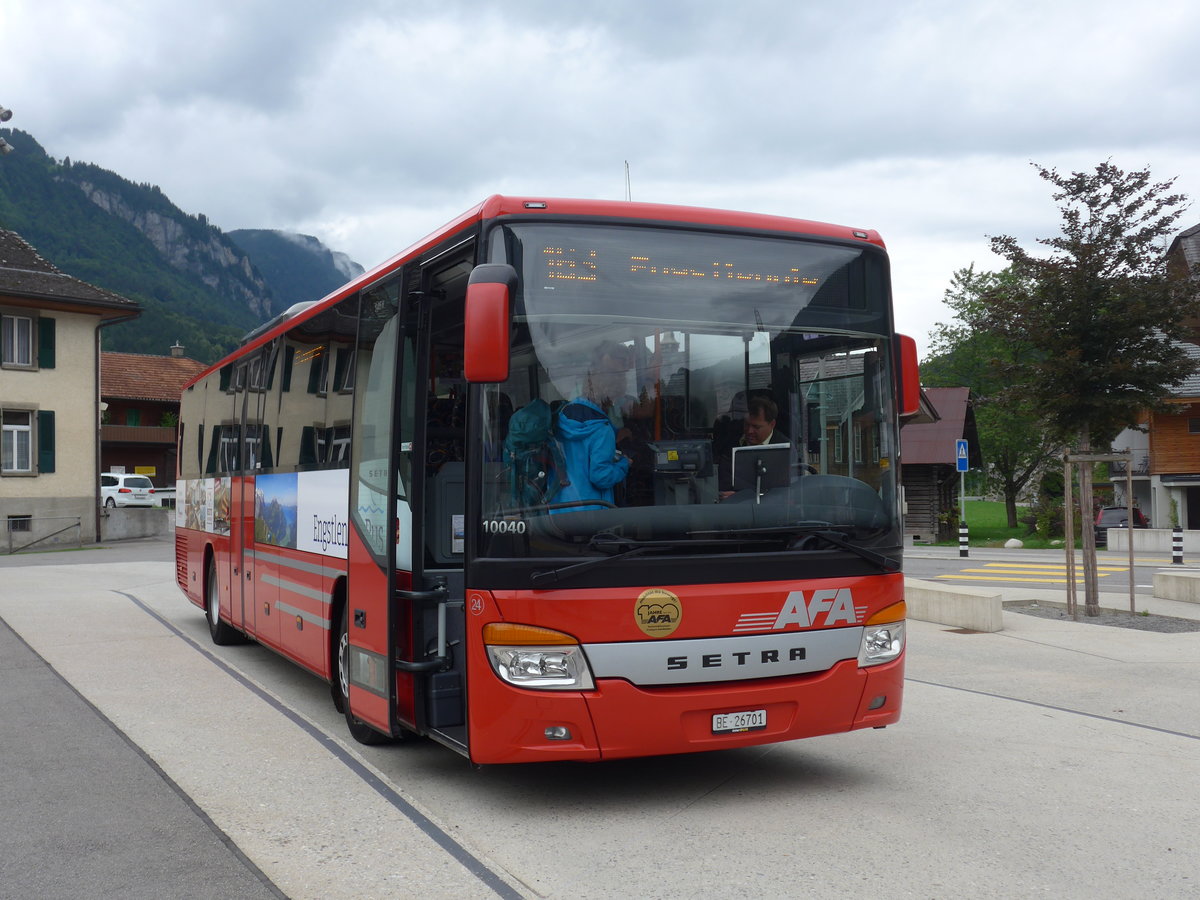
(1116, 517)
(126, 490)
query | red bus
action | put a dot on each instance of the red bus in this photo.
(570, 480)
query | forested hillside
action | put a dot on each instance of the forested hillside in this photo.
(195, 284)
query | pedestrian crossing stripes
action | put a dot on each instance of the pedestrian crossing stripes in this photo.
(1031, 573)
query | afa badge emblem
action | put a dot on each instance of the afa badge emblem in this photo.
(657, 612)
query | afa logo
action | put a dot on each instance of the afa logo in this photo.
(657, 612)
(821, 609)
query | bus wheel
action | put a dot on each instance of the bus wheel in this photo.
(222, 633)
(360, 731)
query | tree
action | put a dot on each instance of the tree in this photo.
(1014, 443)
(1101, 314)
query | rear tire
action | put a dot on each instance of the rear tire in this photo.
(223, 634)
(360, 731)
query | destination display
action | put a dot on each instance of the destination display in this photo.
(582, 265)
(698, 276)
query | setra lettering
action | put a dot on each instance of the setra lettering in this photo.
(738, 658)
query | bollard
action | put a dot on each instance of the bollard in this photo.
(962, 540)
(1176, 545)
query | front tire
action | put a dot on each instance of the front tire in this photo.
(359, 730)
(223, 634)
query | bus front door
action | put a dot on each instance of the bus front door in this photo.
(379, 604)
(405, 601)
(435, 602)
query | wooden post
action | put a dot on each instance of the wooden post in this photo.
(1069, 542)
(1129, 503)
(1089, 535)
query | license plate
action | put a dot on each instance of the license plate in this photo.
(733, 722)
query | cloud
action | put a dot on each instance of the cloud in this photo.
(368, 124)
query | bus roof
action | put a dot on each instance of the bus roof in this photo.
(500, 206)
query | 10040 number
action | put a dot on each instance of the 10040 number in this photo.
(503, 526)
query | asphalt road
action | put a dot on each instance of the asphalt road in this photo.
(1003, 569)
(136, 759)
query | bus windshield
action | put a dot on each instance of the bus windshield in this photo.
(687, 392)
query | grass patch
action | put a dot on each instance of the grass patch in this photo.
(987, 526)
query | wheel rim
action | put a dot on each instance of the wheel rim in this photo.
(214, 603)
(343, 652)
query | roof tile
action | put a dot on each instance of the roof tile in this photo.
(24, 273)
(137, 376)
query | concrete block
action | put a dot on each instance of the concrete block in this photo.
(1152, 540)
(126, 522)
(1183, 586)
(962, 607)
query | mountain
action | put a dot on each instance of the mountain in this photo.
(297, 266)
(196, 284)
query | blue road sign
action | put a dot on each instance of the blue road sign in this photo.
(960, 455)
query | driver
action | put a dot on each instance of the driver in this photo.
(758, 428)
(759, 425)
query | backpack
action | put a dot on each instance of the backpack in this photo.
(536, 469)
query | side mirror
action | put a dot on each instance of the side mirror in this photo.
(486, 351)
(908, 379)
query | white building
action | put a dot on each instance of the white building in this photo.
(49, 397)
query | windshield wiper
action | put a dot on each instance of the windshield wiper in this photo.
(839, 540)
(553, 576)
(625, 548)
(828, 532)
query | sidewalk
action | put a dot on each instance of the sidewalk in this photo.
(83, 811)
(75, 790)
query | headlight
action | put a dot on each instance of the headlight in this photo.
(881, 643)
(531, 657)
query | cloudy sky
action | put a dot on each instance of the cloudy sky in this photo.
(368, 123)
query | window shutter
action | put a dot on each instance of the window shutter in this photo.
(339, 369)
(45, 439)
(308, 446)
(211, 467)
(315, 367)
(266, 460)
(289, 354)
(46, 344)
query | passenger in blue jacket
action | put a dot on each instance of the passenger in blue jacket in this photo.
(587, 434)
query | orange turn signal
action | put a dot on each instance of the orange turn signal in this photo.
(509, 635)
(897, 612)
